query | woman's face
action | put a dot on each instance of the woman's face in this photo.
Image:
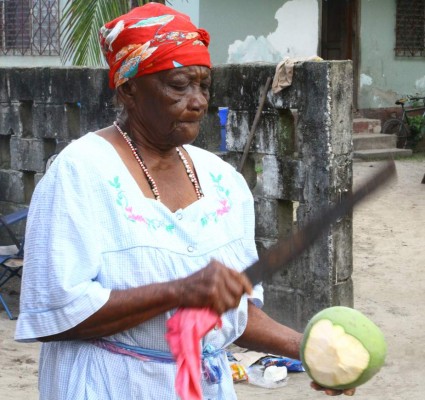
(169, 105)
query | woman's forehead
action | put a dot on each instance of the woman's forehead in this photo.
(193, 70)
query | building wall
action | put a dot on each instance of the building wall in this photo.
(189, 7)
(249, 30)
(33, 61)
(260, 31)
(291, 28)
(383, 76)
(256, 31)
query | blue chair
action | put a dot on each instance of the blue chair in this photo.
(11, 256)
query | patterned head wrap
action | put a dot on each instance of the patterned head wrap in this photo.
(149, 39)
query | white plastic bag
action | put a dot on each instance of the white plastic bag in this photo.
(275, 377)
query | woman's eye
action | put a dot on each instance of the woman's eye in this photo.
(205, 86)
(179, 85)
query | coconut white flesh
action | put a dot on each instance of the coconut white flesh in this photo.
(333, 356)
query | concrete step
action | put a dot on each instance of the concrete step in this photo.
(369, 141)
(366, 125)
(381, 154)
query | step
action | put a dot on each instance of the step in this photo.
(366, 125)
(369, 141)
(381, 154)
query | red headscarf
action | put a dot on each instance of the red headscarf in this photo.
(149, 39)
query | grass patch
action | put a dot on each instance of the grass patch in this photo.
(419, 157)
(414, 157)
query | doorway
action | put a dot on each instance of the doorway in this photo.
(340, 33)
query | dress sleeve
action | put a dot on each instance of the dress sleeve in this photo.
(62, 254)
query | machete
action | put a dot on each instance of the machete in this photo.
(287, 249)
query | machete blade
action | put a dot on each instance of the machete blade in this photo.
(287, 249)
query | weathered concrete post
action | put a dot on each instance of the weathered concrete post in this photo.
(299, 164)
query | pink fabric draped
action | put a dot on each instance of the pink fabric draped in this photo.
(186, 328)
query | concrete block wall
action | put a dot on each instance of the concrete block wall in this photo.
(299, 161)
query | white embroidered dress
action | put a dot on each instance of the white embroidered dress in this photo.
(90, 230)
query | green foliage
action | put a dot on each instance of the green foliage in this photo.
(81, 21)
(417, 129)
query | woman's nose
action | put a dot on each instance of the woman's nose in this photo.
(198, 99)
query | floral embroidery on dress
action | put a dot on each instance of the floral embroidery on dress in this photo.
(130, 215)
(225, 203)
(223, 200)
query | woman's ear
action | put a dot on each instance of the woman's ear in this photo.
(125, 94)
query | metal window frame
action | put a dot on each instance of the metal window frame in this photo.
(35, 30)
(410, 28)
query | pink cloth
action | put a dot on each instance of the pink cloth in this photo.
(186, 328)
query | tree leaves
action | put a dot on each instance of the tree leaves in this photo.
(81, 21)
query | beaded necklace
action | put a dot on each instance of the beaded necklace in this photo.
(152, 183)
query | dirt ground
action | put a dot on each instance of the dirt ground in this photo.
(389, 284)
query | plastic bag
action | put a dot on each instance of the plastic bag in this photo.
(239, 373)
(291, 364)
(258, 377)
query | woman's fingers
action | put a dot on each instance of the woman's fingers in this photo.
(215, 286)
(333, 392)
(231, 285)
(230, 295)
(246, 283)
(350, 392)
(237, 283)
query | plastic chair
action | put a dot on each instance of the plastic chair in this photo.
(11, 257)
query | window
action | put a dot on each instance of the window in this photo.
(410, 28)
(29, 27)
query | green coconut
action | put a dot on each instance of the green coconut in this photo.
(342, 348)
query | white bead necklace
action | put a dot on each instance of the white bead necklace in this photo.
(149, 178)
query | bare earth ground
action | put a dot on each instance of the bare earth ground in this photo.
(389, 283)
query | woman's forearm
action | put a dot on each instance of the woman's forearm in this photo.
(125, 309)
(268, 336)
(215, 286)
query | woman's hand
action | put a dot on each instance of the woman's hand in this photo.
(215, 286)
(333, 392)
(265, 335)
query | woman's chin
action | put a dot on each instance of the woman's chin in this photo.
(185, 136)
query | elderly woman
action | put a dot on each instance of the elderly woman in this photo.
(132, 222)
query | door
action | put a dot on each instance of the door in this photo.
(339, 35)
